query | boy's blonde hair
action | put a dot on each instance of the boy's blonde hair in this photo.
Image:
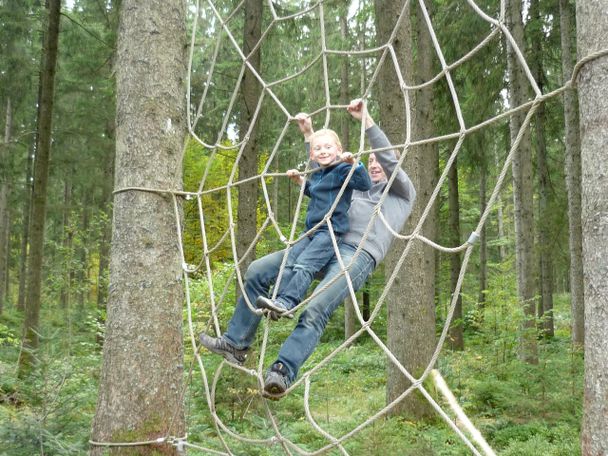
(322, 132)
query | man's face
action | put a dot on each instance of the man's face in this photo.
(376, 173)
(325, 150)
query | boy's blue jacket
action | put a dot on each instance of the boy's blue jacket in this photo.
(324, 185)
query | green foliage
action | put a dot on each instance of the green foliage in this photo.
(7, 337)
(51, 410)
(519, 408)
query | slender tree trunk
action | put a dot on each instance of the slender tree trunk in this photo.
(68, 237)
(544, 236)
(25, 229)
(545, 258)
(522, 193)
(4, 210)
(41, 173)
(456, 329)
(7, 269)
(545, 303)
(248, 165)
(502, 249)
(140, 394)
(592, 36)
(573, 180)
(350, 317)
(81, 271)
(411, 307)
(483, 243)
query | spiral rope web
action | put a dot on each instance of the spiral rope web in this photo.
(218, 31)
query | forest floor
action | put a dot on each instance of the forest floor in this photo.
(520, 409)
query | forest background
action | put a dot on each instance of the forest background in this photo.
(523, 404)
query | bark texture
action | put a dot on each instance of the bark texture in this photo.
(248, 165)
(41, 177)
(523, 188)
(545, 240)
(592, 36)
(573, 179)
(141, 380)
(411, 306)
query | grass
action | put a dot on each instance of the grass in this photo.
(519, 408)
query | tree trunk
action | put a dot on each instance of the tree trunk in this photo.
(4, 210)
(350, 317)
(500, 219)
(248, 165)
(545, 301)
(456, 335)
(522, 193)
(483, 244)
(41, 174)
(81, 270)
(573, 180)
(25, 229)
(141, 380)
(411, 307)
(68, 237)
(592, 36)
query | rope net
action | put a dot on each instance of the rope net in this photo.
(308, 69)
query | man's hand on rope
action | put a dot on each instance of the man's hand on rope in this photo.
(304, 124)
(358, 109)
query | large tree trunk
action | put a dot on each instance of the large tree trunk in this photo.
(522, 193)
(142, 373)
(573, 180)
(592, 36)
(41, 175)
(4, 210)
(248, 165)
(545, 258)
(411, 307)
(456, 329)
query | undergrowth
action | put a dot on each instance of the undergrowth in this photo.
(520, 409)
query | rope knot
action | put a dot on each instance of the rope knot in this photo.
(473, 238)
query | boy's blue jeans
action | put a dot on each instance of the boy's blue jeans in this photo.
(306, 258)
(302, 341)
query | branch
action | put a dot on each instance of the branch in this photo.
(86, 30)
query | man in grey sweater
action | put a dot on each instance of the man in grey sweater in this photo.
(262, 273)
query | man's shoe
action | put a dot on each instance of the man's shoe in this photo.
(222, 347)
(276, 308)
(277, 381)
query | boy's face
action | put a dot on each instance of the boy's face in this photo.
(325, 150)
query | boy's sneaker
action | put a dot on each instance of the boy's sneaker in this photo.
(276, 308)
(277, 381)
(222, 347)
